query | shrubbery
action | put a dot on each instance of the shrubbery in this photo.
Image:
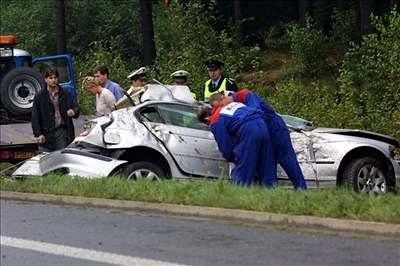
(370, 76)
(309, 47)
(366, 93)
(185, 38)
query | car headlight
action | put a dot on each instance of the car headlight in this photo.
(394, 152)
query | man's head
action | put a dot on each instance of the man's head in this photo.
(101, 74)
(220, 99)
(214, 68)
(90, 85)
(180, 77)
(51, 77)
(138, 77)
(204, 115)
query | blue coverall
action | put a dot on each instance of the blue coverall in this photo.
(243, 138)
(281, 143)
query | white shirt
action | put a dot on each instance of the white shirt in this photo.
(105, 102)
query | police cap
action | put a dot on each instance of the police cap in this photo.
(180, 74)
(138, 74)
(213, 64)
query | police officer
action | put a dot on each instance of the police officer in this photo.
(138, 82)
(138, 79)
(180, 77)
(217, 82)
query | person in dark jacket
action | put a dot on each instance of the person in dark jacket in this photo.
(217, 81)
(52, 113)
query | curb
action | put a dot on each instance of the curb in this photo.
(232, 215)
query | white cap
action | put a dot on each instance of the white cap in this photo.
(138, 72)
(180, 73)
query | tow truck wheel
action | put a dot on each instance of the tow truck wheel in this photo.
(18, 89)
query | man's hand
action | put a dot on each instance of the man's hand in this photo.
(41, 139)
(70, 113)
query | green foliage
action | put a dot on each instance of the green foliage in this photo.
(370, 76)
(309, 49)
(185, 38)
(342, 33)
(32, 21)
(274, 39)
(116, 24)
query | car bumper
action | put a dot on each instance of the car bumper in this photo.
(75, 161)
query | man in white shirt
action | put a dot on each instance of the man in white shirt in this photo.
(105, 100)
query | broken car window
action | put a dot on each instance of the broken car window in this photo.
(181, 115)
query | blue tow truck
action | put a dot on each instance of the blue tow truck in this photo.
(21, 77)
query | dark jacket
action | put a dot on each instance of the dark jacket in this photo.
(43, 122)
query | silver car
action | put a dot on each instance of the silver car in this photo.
(163, 138)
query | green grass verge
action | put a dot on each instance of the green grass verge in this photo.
(335, 203)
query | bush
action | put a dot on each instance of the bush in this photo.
(342, 33)
(309, 49)
(370, 76)
(185, 38)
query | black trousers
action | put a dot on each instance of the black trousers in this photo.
(57, 140)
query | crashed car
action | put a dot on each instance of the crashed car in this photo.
(161, 137)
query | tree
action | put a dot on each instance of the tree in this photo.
(364, 16)
(303, 8)
(147, 32)
(237, 16)
(60, 27)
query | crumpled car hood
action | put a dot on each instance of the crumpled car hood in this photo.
(359, 133)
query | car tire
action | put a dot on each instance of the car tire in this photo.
(18, 89)
(143, 170)
(365, 175)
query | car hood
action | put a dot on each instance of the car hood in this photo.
(359, 133)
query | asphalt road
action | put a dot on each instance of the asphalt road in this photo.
(37, 234)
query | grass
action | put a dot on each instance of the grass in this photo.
(334, 203)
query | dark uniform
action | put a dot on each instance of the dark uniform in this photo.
(243, 138)
(284, 153)
(224, 84)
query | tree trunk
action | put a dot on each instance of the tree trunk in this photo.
(342, 4)
(147, 32)
(365, 12)
(237, 16)
(303, 7)
(60, 27)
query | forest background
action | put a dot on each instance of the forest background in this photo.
(334, 62)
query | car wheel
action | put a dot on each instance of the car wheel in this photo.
(366, 175)
(143, 170)
(18, 89)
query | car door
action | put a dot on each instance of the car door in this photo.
(190, 142)
(63, 64)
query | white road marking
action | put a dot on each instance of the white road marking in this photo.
(80, 253)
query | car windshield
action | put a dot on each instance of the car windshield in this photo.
(297, 123)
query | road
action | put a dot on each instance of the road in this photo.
(38, 234)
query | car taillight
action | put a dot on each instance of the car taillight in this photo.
(6, 155)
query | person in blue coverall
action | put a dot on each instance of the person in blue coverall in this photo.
(243, 138)
(280, 137)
